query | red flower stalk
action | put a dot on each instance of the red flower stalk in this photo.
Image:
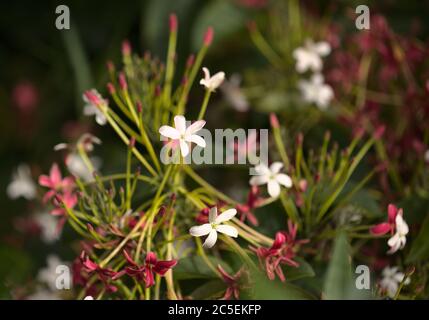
(104, 274)
(253, 201)
(146, 271)
(282, 251)
(390, 225)
(233, 283)
(208, 36)
(55, 182)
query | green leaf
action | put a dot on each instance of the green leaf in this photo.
(194, 267)
(225, 18)
(420, 247)
(303, 271)
(338, 279)
(210, 290)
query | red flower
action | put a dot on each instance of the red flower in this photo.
(55, 182)
(282, 251)
(159, 267)
(146, 272)
(253, 201)
(389, 226)
(104, 274)
(233, 283)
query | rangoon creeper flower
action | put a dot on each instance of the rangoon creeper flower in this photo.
(309, 56)
(214, 226)
(78, 168)
(271, 177)
(184, 135)
(213, 82)
(22, 184)
(48, 226)
(391, 280)
(90, 109)
(316, 91)
(399, 239)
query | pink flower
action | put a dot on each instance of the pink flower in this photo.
(233, 283)
(282, 251)
(153, 265)
(55, 182)
(253, 201)
(104, 274)
(389, 226)
(146, 271)
(62, 201)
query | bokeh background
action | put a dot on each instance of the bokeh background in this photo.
(43, 72)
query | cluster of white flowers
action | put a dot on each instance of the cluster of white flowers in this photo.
(309, 58)
(391, 280)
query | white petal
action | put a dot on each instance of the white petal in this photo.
(206, 74)
(284, 179)
(322, 48)
(180, 124)
(213, 214)
(401, 225)
(195, 127)
(202, 230)
(211, 239)
(259, 180)
(226, 215)
(273, 188)
(262, 169)
(169, 132)
(184, 148)
(276, 167)
(197, 140)
(228, 230)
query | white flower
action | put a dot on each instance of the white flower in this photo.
(391, 280)
(234, 95)
(90, 109)
(213, 82)
(22, 184)
(49, 227)
(88, 298)
(316, 91)
(399, 239)
(77, 166)
(214, 226)
(309, 56)
(184, 135)
(272, 177)
(49, 274)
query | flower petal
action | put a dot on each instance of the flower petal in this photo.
(284, 179)
(211, 239)
(275, 167)
(195, 127)
(169, 132)
(228, 230)
(380, 229)
(213, 214)
(273, 188)
(197, 140)
(180, 124)
(226, 215)
(259, 180)
(202, 230)
(184, 148)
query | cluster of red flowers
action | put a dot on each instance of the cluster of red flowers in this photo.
(282, 252)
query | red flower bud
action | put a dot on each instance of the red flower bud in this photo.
(173, 22)
(208, 37)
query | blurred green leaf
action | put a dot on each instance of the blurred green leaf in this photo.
(194, 267)
(223, 16)
(420, 247)
(211, 289)
(338, 278)
(303, 271)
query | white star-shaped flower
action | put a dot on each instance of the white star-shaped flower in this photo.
(316, 91)
(399, 239)
(271, 177)
(309, 56)
(92, 110)
(184, 135)
(214, 226)
(391, 280)
(213, 82)
(22, 184)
